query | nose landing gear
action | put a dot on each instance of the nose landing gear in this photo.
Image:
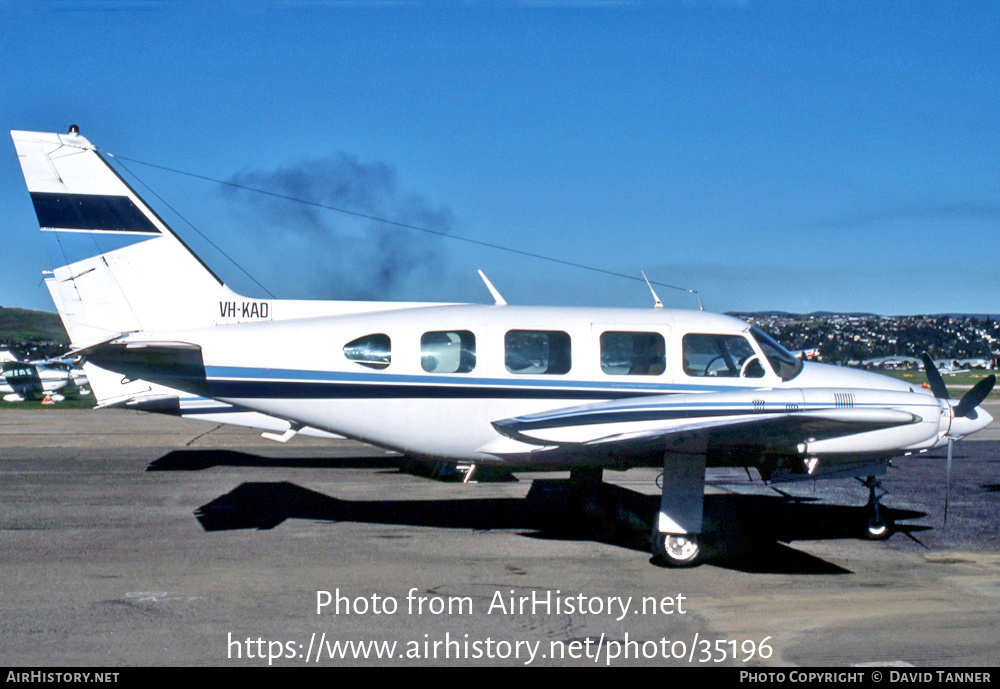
(878, 527)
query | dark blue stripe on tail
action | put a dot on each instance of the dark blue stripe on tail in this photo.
(90, 212)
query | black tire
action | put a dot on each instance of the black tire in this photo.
(878, 529)
(677, 550)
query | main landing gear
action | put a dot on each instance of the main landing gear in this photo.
(675, 538)
(877, 527)
(676, 550)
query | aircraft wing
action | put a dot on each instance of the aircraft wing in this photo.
(786, 421)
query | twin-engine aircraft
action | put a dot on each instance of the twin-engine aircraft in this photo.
(578, 389)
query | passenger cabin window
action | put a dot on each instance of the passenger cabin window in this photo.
(372, 351)
(633, 354)
(537, 351)
(721, 356)
(449, 351)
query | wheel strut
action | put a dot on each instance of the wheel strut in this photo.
(878, 527)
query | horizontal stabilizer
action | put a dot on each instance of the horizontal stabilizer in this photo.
(176, 365)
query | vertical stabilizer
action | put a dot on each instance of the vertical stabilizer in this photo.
(117, 267)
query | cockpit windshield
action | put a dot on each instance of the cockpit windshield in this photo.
(782, 361)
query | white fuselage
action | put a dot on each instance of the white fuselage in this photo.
(306, 371)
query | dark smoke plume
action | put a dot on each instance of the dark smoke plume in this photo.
(331, 255)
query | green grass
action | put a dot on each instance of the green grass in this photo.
(85, 402)
(957, 384)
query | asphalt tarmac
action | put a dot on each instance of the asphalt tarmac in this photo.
(134, 540)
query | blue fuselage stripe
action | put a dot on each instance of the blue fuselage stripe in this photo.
(235, 383)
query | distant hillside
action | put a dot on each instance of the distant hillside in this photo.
(853, 314)
(786, 314)
(845, 338)
(24, 325)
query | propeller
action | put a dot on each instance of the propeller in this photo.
(934, 378)
(966, 408)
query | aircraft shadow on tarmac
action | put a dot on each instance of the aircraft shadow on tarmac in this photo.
(743, 532)
(197, 460)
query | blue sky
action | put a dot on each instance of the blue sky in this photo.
(771, 154)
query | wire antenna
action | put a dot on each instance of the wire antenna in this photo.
(467, 240)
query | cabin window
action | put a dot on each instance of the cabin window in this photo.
(448, 351)
(721, 356)
(537, 351)
(633, 354)
(16, 370)
(372, 351)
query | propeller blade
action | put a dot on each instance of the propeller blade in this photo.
(947, 481)
(975, 396)
(934, 378)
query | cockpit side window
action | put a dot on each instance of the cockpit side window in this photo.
(633, 353)
(784, 363)
(720, 356)
(537, 351)
(373, 351)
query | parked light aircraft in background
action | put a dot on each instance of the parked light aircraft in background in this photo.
(23, 380)
(578, 389)
(20, 381)
(29, 380)
(813, 353)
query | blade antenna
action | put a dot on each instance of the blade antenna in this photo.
(500, 301)
(658, 304)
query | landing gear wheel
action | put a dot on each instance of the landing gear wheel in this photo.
(676, 550)
(878, 529)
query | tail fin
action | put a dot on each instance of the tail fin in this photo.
(117, 267)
